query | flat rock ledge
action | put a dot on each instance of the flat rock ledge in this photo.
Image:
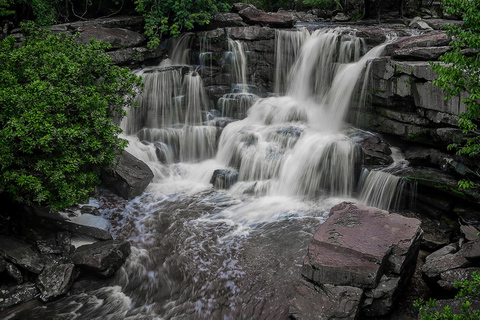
(357, 264)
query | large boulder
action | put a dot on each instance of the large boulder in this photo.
(252, 15)
(21, 254)
(365, 248)
(429, 39)
(102, 258)
(129, 177)
(17, 294)
(55, 281)
(224, 178)
(116, 37)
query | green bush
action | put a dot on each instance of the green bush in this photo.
(57, 102)
(171, 17)
(468, 289)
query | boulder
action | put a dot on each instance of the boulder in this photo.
(449, 278)
(129, 177)
(418, 23)
(134, 55)
(357, 247)
(471, 250)
(224, 178)
(420, 53)
(429, 39)
(102, 258)
(17, 294)
(252, 15)
(55, 281)
(325, 302)
(226, 19)
(251, 33)
(21, 254)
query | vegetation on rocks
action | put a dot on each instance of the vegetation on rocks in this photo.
(58, 100)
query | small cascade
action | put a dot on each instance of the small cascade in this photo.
(180, 50)
(236, 103)
(287, 49)
(382, 188)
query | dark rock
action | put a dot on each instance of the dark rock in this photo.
(55, 281)
(438, 24)
(252, 15)
(380, 300)
(21, 254)
(429, 39)
(3, 264)
(134, 55)
(129, 177)
(471, 250)
(418, 23)
(129, 22)
(224, 178)
(17, 294)
(449, 277)
(420, 53)
(455, 305)
(352, 246)
(14, 272)
(116, 37)
(239, 6)
(251, 33)
(325, 302)
(226, 19)
(103, 258)
(435, 266)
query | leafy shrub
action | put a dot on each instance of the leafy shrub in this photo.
(57, 102)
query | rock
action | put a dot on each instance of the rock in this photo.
(418, 23)
(470, 232)
(435, 266)
(128, 22)
(116, 37)
(55, 281)
(102, 258)
(17, 294)
(224, 178)
(429, 96)
(375, 150)
(429, 39)
(340, 17)
(239, 6)
(438, 24)
(471, 250)
(129, 177)
(350, 248)
(325, 302)
(252, 15)
(448, 279)
(133, 55)
(226, 19)
(380, 300)
(14, 272)
(251, 33)
(420, 53)
(21, 254)
(3, 264)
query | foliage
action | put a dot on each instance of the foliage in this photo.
(170, 17)
(461, 71)
(57, 102)
(470, 288)
(324, 4)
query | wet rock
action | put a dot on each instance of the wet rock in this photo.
(116, 37)
(21, 254)
(55, 281)
(252, 15)
(102, 258)
(129, 177)
(226, 19)
(251, 33)
(224, 178)
(325, 302)
(14, 272)
(134, 55)
(375, 150)
(17, 294)
(429, 96)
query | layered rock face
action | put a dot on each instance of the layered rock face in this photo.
(358, 263)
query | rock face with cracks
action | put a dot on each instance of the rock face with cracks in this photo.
(368, 253)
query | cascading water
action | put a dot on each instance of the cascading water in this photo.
(204, 253)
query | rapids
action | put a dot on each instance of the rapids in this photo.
(205, 253)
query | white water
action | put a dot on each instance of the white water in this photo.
(202, 253)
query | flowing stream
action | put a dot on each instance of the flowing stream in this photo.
(200, 252)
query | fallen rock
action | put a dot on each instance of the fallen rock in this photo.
(17, 294)
(116, 37)
(224, 178)
(129, 177)
(361, 247)
(252, 15)
(102, 258)
(55, 281)
(21, 254)
(449, 278)
(471, 250)
(418, 23)
(325, 302)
